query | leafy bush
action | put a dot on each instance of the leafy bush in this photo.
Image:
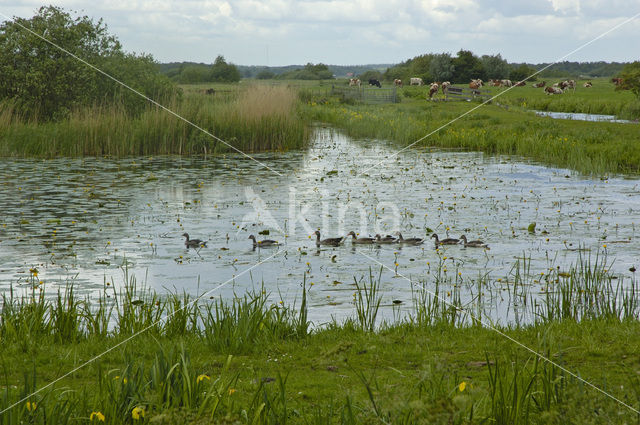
(42, 81)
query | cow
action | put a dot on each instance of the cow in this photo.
(416, 81)
(587, 84)
(539, 85)
(374, 82)
(495, 83)
(475, 84)
(571, 84)
(354, 82)
(506, 83)
(397, 82)
(210, 91)
(617, 81)
(445, 87)
(553, 90)
(520, 84)
(433, 89)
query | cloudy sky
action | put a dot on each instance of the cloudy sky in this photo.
(283, 32)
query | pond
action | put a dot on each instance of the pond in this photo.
(87, 221)
(582, 117)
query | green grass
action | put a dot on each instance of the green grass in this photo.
(249, 361)
(250, 118)
(588, 147)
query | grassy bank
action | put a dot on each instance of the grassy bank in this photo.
(255, 118)
(588, 147)
(256, 361)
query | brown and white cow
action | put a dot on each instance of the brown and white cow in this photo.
(416, 81)
(539, 85)
(397, 82)
(617, 81)
(587, 84)
(520, 84)
(354, 82)
(553, 90)
(475, 84)
(506, 83)
(445, 87)
(433, 89)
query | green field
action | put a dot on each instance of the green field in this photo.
(255, 361)
(505, 126)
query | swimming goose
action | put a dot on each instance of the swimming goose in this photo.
(328, 241)
(410, 241)
(265, 242)
(473, 244)
(193, 243)
(386, 240)
(357, 240)
(447, 241)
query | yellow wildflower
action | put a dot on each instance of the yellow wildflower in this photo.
(96, 415)
(232, 390)
(31, 406)
(137, 412)
(202, 377)
(462, 386)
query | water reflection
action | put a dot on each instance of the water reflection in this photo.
(85, 219)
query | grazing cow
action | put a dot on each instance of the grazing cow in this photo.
(495, 83)
(520, 84)
(397, 82)
(539, 85)
(571, 84)
(433, 89)
(354, 82)
(374, 82)
(415, 81)
(617, 81)
(553, 90)
(445, 87)
(506, 83)
(211, 91)
(587, 84)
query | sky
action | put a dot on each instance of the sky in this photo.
(285, 32)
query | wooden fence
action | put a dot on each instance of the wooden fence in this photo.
(465, 93)
(366, 94)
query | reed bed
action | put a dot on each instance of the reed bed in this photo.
(251, 360)
(258, 118)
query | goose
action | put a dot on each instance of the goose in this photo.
(447, 241)
(473, 244)
(357, 240)
(193, 243)
(410, 241)
(265, 242)
(328, 241)
(386, 240)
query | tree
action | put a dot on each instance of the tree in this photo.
(467, 67)
(46, 83)
(221, 71)
(522, 72)
(441, 67)
(630, 76)
(265, 74)
(495, 67)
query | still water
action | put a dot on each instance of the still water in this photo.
(87, 220)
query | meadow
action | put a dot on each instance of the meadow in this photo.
(505, 126)
(176, 359)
